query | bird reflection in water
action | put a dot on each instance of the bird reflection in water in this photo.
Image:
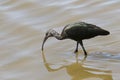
(78, 71)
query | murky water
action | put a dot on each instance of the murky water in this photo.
(22, 28)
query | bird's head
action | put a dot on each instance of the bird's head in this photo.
(48, 34)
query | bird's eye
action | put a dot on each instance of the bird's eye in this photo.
(46, 34)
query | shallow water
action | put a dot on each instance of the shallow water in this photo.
(22, 28)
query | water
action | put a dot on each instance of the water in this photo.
(22, 28)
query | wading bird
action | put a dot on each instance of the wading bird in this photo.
(77, 31)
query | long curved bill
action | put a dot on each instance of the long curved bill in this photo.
(44, 42)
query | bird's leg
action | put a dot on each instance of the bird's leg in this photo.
(81, 43)
(76, 50)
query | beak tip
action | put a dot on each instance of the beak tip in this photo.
(42, 48)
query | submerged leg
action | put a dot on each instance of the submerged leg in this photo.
(76, 50)
(81, 43)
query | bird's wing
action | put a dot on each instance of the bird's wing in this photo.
(63, 33)
(74, 28)
(77, 24)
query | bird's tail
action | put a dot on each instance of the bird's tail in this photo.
(103, 32)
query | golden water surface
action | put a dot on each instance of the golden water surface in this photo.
(23, 24)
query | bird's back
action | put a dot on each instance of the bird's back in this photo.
(81, 30)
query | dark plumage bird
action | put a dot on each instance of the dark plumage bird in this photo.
(77, 31)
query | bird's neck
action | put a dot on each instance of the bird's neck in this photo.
(57, 35)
